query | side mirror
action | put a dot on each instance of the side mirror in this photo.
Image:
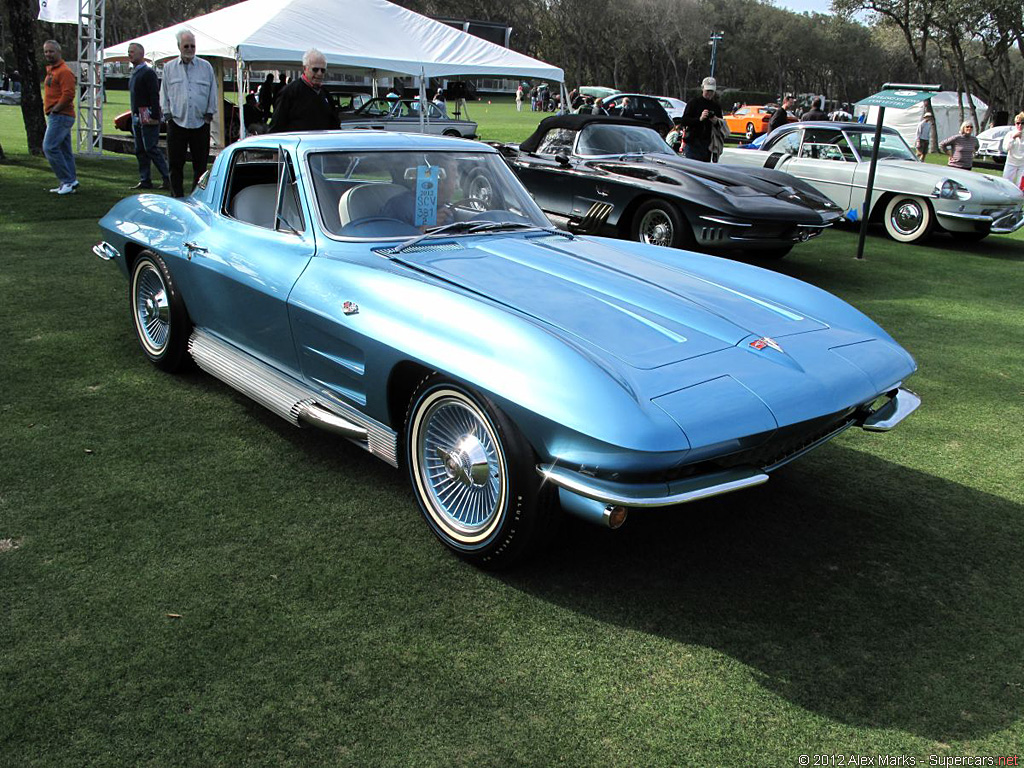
(562, 160)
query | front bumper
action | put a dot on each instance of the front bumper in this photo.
(998, 223)
(592, 497)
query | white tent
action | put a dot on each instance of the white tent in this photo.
(944, 107)
(373, 36)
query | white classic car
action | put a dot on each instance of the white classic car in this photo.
(910, 197)
(403, 115)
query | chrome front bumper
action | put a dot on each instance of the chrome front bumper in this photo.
(587, 495)
(105, 251)
(1003, 224)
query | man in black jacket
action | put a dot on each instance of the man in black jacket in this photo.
(303, 104)
(144, 95)
(781, 115)
(699, 119)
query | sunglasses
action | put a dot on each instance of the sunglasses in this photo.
(322, 70)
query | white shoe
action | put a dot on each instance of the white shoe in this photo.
(74, 185)
(58, 189)
(65, 189)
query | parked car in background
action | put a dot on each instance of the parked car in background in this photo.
(991, 145)
(349, 281)
(344, 99)
(910, 198)
(403, 115)
(751, 121)
(674, 107)
(618, 177)
(597, 91)
(646, 109)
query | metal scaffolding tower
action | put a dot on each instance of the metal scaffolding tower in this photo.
(90, 76)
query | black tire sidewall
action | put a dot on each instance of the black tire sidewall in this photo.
(175, 352)
(682, 236)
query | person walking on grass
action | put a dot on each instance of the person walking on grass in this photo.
(59, 107)
(144, 96)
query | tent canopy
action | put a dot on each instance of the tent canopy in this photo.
(946, 112)
(367, 35)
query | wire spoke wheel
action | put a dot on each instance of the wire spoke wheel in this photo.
(656, 228)
(460, 466)
(152, 309)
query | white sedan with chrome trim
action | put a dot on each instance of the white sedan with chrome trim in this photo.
(910, 198)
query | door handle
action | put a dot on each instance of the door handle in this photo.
(194, 249)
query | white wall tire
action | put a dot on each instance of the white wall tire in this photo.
(908, 219)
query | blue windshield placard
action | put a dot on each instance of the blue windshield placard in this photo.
(427, 177)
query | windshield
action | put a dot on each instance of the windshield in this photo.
(891, 147)
(392, 194)
(601, 139)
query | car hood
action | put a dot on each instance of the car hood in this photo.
(993, 188)
(643, 311)
(726, 187)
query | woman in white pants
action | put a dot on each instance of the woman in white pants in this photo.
(1013, 145)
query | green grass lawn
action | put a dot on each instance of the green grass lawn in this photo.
(186, 580)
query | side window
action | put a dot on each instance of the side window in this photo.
(436, 113)
(790, 143)
(821, 144)
(557, 141)
(262, 191)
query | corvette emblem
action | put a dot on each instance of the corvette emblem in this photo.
(763, 342)
(350, 308)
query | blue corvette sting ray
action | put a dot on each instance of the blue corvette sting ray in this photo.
(406, 293)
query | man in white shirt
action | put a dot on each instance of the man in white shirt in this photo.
(188, 100)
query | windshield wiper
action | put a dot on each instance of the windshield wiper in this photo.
(472, 227)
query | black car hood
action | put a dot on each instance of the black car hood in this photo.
(728, 186)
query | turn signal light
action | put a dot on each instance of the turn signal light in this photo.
(616, 516)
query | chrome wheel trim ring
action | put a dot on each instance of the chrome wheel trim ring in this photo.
(459, 466)
(152, 309)
(656, 228)
(907, 217)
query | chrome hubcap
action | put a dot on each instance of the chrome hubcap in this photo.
(907, 218)
(656, 228)
(460, 467)
(152, 309)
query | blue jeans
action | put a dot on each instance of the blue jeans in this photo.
(697, 152)
(147, 149)
(57, 148)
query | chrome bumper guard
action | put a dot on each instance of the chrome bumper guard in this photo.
(902, 403)
(105, 251)
(649, 495)
(1003, 224)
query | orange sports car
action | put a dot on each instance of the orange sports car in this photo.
(751, 120)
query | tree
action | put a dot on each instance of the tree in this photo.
(21, 18)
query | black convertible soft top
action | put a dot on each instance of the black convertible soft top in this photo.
(575, 123)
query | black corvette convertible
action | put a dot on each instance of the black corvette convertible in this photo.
(615, 176)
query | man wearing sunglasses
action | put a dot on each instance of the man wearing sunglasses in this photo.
(188, 101)
(303, 104)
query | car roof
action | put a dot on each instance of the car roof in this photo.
(356, 140)
(575, 123)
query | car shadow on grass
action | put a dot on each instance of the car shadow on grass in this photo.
(869, 593)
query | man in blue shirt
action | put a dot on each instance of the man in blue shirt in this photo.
(144, 92)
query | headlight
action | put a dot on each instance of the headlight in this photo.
(948, 189)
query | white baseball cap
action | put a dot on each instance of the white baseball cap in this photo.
(709, 84)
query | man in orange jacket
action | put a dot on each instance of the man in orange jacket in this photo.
(59, 106)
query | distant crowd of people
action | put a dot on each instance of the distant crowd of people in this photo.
(186, 100)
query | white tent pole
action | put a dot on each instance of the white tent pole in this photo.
(241, 102)
(373, 87)
(423, 100)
